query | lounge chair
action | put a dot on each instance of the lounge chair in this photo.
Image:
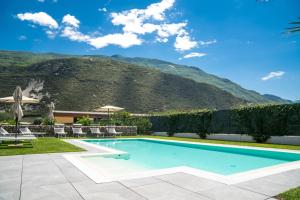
(25, 131)
(112, 131)
(97, 132)
(78, 131)
(60, 131)
(5, 136)
(4, 133)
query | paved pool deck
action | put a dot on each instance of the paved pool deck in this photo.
(50, 176)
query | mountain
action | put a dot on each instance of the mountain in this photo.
(85, 83)
(200, 76)
(23, 59)
(13, 61)
(277, 99)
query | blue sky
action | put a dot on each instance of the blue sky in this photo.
(241, 40)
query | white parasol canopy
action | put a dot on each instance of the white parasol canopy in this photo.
(24, 100)
(109, 108)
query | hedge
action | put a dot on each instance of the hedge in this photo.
(260, 122)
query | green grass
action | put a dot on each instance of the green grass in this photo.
(251, 144)
(293, 194)
(41, 145)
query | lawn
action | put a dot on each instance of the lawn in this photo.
(40, 145)
(293, 194)
(251, 144)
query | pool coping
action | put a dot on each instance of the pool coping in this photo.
(95, 174)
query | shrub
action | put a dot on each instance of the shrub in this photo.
(37, 122)
(261, 122)
(8, 121)
(85, 121)
(6, 116)
(125, 119)
(47, 121)
(143, 124)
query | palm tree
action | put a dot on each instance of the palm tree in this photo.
(295, 28)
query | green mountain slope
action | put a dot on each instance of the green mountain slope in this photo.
(23, 59)
(86, 83)
(275, 98)
(198, 75)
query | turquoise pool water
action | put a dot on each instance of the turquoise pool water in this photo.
(154, 154)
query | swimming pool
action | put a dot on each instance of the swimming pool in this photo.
(152, 154)
(135, 158)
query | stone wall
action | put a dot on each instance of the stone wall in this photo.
(126, 130)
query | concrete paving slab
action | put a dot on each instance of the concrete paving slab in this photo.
(167, 191)
(57, 192)
(190, 182)
(287, 179)
(227, 192)
(45, 179)
(74, 175)
(107, 191)
(263, 186)
(12, 195)
(10, 188)
(140, 182)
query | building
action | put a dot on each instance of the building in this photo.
(69, 117)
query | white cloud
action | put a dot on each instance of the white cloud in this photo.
(206, 43)
(184, 42)
(272, 75)
(74, 35)
(71, 20)
(51, 34)
(167, 30)
(124, 40)
(41, 1)
(22, 37)
(162, 40)
(135, 23)
(157, 10)
(102, 9)
(40, 18)
(194, 54)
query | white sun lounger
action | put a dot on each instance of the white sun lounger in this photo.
(97, 132)
(4, 133)
(112, 131)
(59, 131)
(5, 136)
(78, 131)
(25, 131)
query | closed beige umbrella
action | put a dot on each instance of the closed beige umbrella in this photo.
(16, 107)
(51, 110)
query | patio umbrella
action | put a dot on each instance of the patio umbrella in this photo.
(51, 110)
(24, 100)
(16, 107)
(109, 109)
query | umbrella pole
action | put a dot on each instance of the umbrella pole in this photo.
(108, 118)
(17, 130)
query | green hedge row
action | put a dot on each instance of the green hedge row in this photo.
(261, 122)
